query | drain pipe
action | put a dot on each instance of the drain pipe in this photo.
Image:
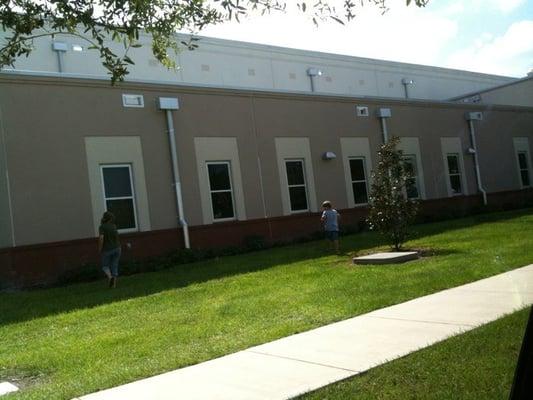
(471, 117)
(168, 104)
(312, 73)
(406, 82)
(60, 48)
(383, 114)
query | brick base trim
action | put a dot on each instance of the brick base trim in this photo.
(44, 264)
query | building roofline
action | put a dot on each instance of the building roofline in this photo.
(337, 56)
(84, 80)
(518, 81)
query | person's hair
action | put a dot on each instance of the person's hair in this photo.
(108, 217)
(326, 204)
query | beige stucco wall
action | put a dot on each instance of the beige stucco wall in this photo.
(46, 122)
(125, 150)
(356, 148)
(6, 234)
(452, 145)
(521, 144)
(225, 150)
(288, 148)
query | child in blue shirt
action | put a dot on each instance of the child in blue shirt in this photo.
(330, 219)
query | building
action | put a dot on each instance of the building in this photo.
(250, 160)
(516, 93)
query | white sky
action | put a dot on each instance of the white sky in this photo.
(490, 36)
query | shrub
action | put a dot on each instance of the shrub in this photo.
(391, 212)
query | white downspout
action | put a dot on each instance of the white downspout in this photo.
(383, 114)
(169, 104)
(8, 183)
(471, 117)
(312, 73)
(384, 130)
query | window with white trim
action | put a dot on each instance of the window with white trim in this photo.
(359, 181)
(119, 195)
(454, 173)
(412, 187)
(523, 165)
(221, 191)
(297, 185)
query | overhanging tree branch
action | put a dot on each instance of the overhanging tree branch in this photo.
(99, 21)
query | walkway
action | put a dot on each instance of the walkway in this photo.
(300, 363)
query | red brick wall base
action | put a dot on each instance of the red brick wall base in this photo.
(45, 264)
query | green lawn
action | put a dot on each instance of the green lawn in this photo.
(478, 365)
(63, 342)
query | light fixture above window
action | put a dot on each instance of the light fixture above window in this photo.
(329, 155)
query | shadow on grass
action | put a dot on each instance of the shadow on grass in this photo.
(27, 305)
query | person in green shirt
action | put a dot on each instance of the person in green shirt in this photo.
(109, 247)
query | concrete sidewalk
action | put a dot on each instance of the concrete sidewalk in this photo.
(300, 363)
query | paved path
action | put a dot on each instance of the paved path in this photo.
(300, 363)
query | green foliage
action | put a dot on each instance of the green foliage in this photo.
(463, 367)
(99, 21)
(391, 212)
(68, 341)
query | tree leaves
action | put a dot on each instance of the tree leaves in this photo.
(100, 21)
(391, 212)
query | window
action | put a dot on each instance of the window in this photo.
(119, 196)
(454, 172)
(220, 190)
(297, 185)
(358, 177)
(523, 165)
(411, 187)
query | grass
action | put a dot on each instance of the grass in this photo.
(64, 342)
(477, 365)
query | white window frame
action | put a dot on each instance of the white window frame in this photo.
(415, 176)
(363, 159)
(459, 173)
(132, 197)
(527, 169)
(228, 164)
(302, 162)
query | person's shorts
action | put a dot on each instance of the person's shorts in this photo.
(332, 235)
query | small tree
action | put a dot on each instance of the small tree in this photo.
(391, 212)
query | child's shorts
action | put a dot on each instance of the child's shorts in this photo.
(332, 235)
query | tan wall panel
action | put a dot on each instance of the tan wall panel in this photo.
(452, 145)
(497, 158)
(353, 148)
(117, 150)
(6, 234)
(47, 161)
(295, 149)
(522, 144)
(219, 149)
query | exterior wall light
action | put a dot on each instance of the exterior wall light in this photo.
(406, 82)
(60, 48)
(329, 155)
(312, 73)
